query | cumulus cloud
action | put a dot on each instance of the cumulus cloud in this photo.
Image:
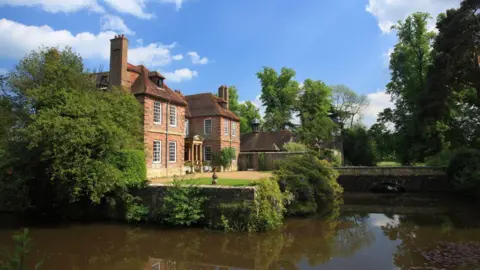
(379, 101)
(178, 3)
(196, 59)
(132, 7)
(388, 12)
(15, 44)
(180, 75)
(115, 23)
(55, 6)
(135, 8)
(154, 55)
(177, 57)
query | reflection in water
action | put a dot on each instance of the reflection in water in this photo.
(351, 241)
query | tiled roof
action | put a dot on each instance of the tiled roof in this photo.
(143, 85)
(206, 104)
(271, 141)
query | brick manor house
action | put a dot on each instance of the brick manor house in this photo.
(176, 128)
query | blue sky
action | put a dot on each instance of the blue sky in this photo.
(201, 44)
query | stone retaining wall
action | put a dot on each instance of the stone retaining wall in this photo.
(412, 179)
(153, 195)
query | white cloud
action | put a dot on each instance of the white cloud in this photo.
(180, 75)
(177, 57)
(379, 101)
(178, 3)
(3, 71)
(388, 12)
(55, 6)
(153, 55)
(20, 39)
(115, 23)
(132, 7)
(196, 59)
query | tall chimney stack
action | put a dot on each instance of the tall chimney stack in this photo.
(223, 93)
(118, 61)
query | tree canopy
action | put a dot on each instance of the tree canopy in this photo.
(279, 96)
(63, 134)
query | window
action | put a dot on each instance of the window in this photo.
(172, 151)
(160, 83)
(234, 129)
(207, 126)
(157, 151)
(226, 126)
(173, 116)
(187, 127)
(207, 153)
(157, 112)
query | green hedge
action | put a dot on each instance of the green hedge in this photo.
(464, 172)
(132, 165)
(263, 214)
(311, 183)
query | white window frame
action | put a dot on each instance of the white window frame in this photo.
(159, 152)
(205, 126)
(187, 127)
(226, 129)
(157, 111)
(174, 115)
(234, 129)
(169, 151)
(205, 153)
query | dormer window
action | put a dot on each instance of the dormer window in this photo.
(160, 82)
(156, 78)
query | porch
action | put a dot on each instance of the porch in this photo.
(194, 153)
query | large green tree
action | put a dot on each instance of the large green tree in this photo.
(314, 105)
(409, 65)
(279, 96)
(452, 101)
(246, 111)
(64, 142)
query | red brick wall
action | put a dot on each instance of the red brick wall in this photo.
(153, 131)
(217, 140)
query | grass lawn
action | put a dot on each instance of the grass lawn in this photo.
(388, 164)
(223, 182)
(396, 164)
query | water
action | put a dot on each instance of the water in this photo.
(363, 236)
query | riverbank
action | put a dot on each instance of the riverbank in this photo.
(392, 239)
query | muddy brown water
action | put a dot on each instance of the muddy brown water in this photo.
(370, 232)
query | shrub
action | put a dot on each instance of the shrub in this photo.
(23, 246)
(263, 214)
(295, 147)
(182, 205)
(311, 181)
(224, 157)
(464, 172)
(441, 159)
(132, 165)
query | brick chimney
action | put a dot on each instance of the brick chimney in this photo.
(118, 60)
(223, 93)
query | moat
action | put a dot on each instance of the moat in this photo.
(369, 232)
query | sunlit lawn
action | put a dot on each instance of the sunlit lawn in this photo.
(395, 164)
(223, 182)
